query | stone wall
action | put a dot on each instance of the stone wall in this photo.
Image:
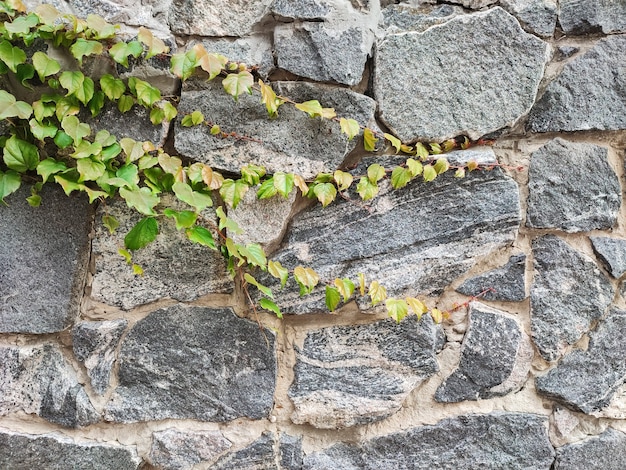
(106, 370)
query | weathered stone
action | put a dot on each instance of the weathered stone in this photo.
(349, 375)
(404, 17)
(38, 380)
(557, 199)
(587, 380)
(588, 94)
(216, 17)
(474, 4)
(94, 344)
(291, 455)
(58, 452)
(612, 252)
(293, 142)
(491, 441)
(44, 254)
(506, 283)
(194, 362)
(259, 455)
(568, 293)
(414, 241)
(604, 452)
(494, 80)
(254, 50)
(173, 266)
(564, 52)
(302, 10)
(579, 17)
(178, 450)
(150, 14)
(539, 16)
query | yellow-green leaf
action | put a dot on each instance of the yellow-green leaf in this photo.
(325, 192)
(414, 167)
(362, 283)
(441, 166)
(332, 298)
(211, 63)
(419, 308)
(437, 315)
(251, 280)
(283, 182)
(350, 127)
(195, 199)
(269, 99)
(394, 141)
(192, 119)
(83, 47)
(400, 177)
(44, 65)
(201, 236)
(366, 189)
(267, 304)
(375, 173)
(377, 292)
(429, 173)
(397, 309)
(306, 278)
(369, 140)
(343, 179)
(122, 50)
(276, 269)
(237, 84)
(345, 287)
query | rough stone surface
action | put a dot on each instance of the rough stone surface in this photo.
(588, 94)
(173, 266)
(507, 282)
(216, 17)
(253, 50)
(293, 142)
(194, 362)
(588, 380)
(539, 16)
(259, 455)
(150, 14)
(291, 455)
(474, 4)
(492, 441)
(57, 452)
(612, 252)
(604, 452)
(556, 197)
(579, 17)
(405, 17)
(494, 80)
(349, 375)
(43, 261)
(413, 241)
(94, 345)
(38, 380)
(302, 10)
(568, 293)
(495, 358)
(181, 450)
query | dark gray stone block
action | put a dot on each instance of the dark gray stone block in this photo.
(507, 282)
(612, 252)
(491, 441)
(197, 363)
(94, 345)
(181, 450)
(291, 455)
(44, 254)
(38, 380)
(568, 293)
(495, 358)
(259, 455)
(587, 380)
(580, 17)
(587, 95)
(349, 375)
(557, 199)
(493, 82)
(604, 452)
(57, 452)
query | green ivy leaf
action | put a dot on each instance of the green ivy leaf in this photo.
(125, 103)
(24, 73)
(41, 131)
(201, 236)
(267, 304)
(183, 64)
(306, 278)
(11, 55)
(345, 287)
(429, 173)
(75, 129)
(133, 149)
(10, 107)
(192, 119)
(343, 180)
(126, 254)
(146, 94)
(112, 87)
(68, 184)
(276, 269)
(232, 192)
(400, 177)
(283, 182)
(183, 219)
(9, 183)
(144, 232)
(77, 85)
(83, 47)
(49, 167)
(67, 106)
(269, 99)
(110, 223)
(350, 127)
(332, 298)
(237, 84)
(415, 167)
(366, 189)
(22, 24)
(251, 280)
(252, 174)
(40, 109)
(20, 155)
(129, 174)
(100, 28)
(397, 309)
(377, 292)
(87, 149)
(254, 254)
(96, 103)
(441, 166)
(397, 144)
(90, 169)
(122, 50)
(369, 140)
(226, 222)
(325, 192)
(267, 189)
(34, 200)
(375, 173)
(421, 151)
(62, 140)
(195, 199)
(313, 108)
(141, 199)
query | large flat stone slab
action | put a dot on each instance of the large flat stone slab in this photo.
(569, 292)
(588, 380)
(44, 253)
(588, 94)
(557, 199)
(491, 82)
(506, 283)
(350, 375)
(38, 380)
(607, 16)
(197, 363)
(604, 452)
(612, 252)
(491, 441)
(537, 16)
(293, 142)
(58, 452)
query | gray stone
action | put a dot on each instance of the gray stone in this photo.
(254, 50)
(564, 52)
(293, 142)
(38, 380)
(539, 16)
(604, 452)
(291, 455)
(302, 9)
(197, 363)
(350, 375)
(557, 199)
(94, 345)
(568, 293)
(150, 14)
(495, 358)
(173, 266)
(472, 75)
(414, 241)
(580, 17)
(57, 452)
(181, 450)
(216, 17)
(44, 253)
(491, 441)
(259, 455)
(404, 17)
(587, 380)
(612, 252)
(588, 94)
(506, 283)
(474, 4)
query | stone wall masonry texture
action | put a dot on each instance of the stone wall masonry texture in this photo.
(102, 369)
